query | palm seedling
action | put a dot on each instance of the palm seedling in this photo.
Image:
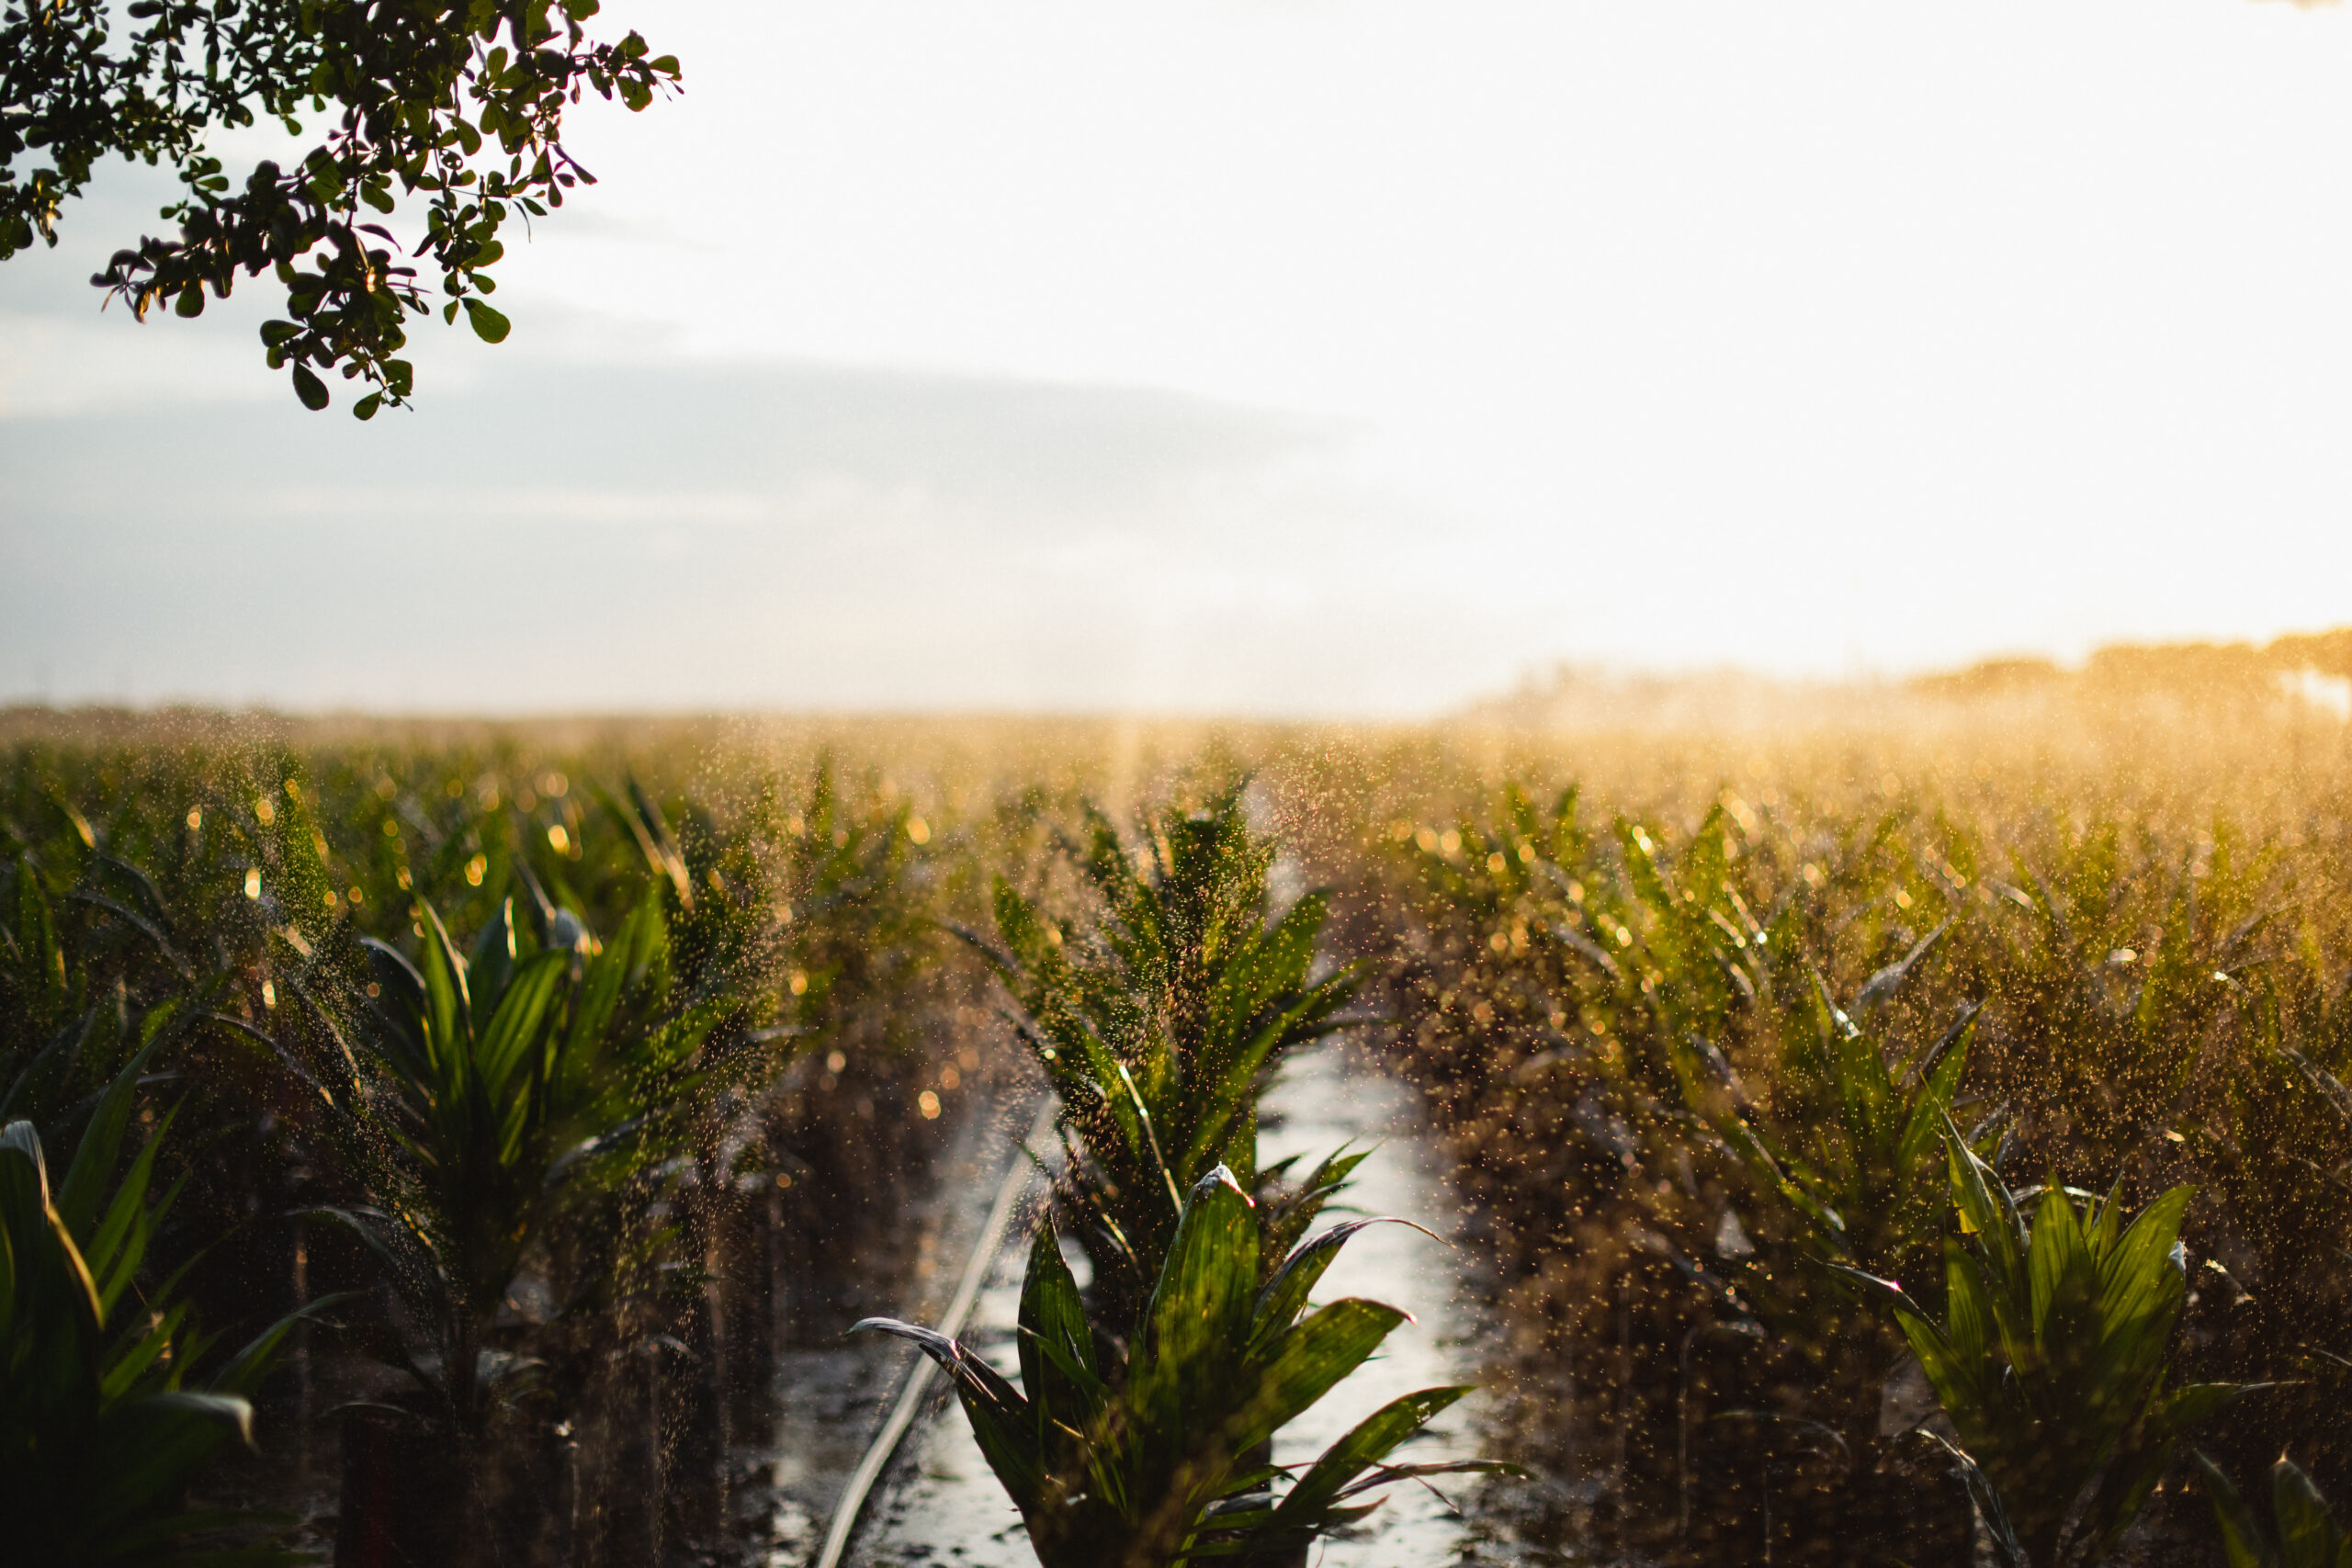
(855, 908)
(853, 899)
(1837, 1157)
(1155, 1457)
(1842, 1139)
(1843, 1166)
(1845, 1137)
(1842, 1142)
(1550, 929)
(2274, 1145)
(85, 946)
(219, 914)
(103, 1419)
(1160, 1024)
(45, 991)
(2304, 1533)
(2124, 966)
(2051, 1360)
(517, 1086)
(1850, 1145)
(1509, 901)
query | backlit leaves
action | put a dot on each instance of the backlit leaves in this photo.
(459, 108)
(2051, 1360)
(1151, 1463)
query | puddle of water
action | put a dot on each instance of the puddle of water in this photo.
(940, 1502)
(827, 1416)
(833, 1393)
(945, 1506)
(1332, 1098)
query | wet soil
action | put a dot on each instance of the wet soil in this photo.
(833, 1392)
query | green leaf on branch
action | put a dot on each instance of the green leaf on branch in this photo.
(488, 324)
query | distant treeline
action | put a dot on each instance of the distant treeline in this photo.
(2189, 668)
(2294, 677)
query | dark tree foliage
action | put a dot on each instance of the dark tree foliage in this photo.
(459, 101)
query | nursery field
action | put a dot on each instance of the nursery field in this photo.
(1916, 1132)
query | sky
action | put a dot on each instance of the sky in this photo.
(1286, 357)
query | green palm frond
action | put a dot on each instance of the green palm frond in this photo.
(2052, 1359)
(1159, 1021)
(104, 1420)
(1158, 1461)
(518, 1083)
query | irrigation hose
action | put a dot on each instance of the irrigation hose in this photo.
(876, 1457)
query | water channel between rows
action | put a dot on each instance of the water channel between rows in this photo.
(939, 1505)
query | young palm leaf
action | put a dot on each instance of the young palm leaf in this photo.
(1160, 1023)
(2306, 1535)
(2051, 1360)
(1851, 1147)
(1158, 1462)
(103, 1424)
(519, 1083)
